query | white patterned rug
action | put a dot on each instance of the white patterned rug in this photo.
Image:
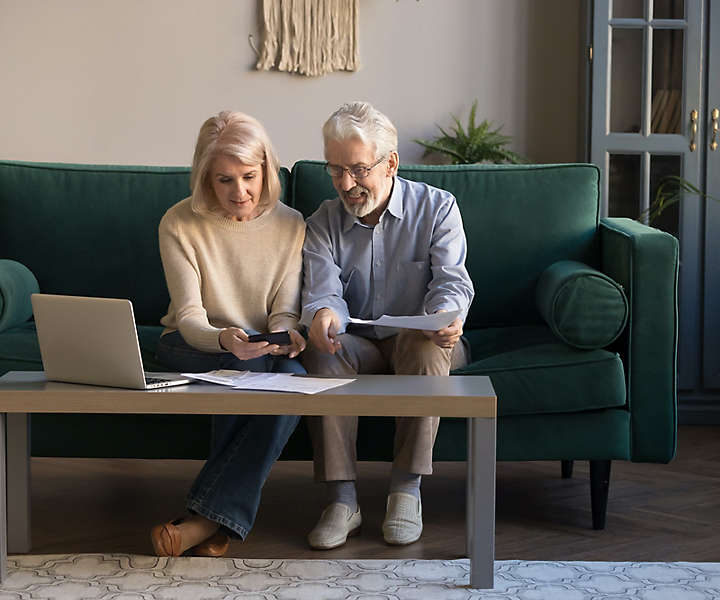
(135, 577)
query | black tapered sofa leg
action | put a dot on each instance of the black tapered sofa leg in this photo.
(599, 486)
(566, 468)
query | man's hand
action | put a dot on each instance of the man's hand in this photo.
(323, 331)
(235, 340)
(448, 336)
(297, 345)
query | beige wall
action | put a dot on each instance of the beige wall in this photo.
(130, 81)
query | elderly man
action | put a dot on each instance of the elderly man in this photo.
(385, 245)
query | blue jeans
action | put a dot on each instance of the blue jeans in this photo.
(227, 489)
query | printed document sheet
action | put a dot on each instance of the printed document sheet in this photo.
(432, 322)
(268, 382)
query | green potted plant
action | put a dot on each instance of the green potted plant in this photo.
(670, 191)
(481, 142)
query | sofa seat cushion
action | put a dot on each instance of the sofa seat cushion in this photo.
(534, 373)
(19, 350)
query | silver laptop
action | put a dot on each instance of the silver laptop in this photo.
(93, 341)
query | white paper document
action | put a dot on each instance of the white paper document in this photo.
(432, 322)
(220, 376)
(268, 382)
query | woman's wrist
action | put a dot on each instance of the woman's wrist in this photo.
(220, 343)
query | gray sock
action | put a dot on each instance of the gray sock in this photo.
(405, 482)
(342, 491)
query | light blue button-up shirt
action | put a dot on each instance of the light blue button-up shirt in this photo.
(411, 263)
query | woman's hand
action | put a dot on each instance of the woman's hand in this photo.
(235, 340)
(297, 345)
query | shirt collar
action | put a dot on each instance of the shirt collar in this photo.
(394, 207)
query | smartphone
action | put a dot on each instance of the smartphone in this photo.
(281, 338)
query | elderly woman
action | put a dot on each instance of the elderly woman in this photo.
(232, 255)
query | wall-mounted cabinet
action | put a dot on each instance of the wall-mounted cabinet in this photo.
(654, 109)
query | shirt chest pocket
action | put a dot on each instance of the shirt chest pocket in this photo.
(412, 279)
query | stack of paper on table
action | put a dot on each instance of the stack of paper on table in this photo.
(268, 382)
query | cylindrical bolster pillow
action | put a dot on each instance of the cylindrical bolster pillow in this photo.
(583, 307)
(16, 284)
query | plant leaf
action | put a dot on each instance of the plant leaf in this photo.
(438, 147)
(479, 142)
(671, 190)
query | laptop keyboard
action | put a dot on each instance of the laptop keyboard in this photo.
(154, 380)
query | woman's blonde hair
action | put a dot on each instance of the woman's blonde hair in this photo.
(239, 135)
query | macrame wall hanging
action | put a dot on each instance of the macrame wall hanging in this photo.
(310, 37)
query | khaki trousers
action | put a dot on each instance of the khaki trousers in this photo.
(407, 353)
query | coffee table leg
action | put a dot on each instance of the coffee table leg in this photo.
(3, 512)
(469, 486)
(481, 501)
(18, 483)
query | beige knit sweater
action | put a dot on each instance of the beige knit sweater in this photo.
(222, 273)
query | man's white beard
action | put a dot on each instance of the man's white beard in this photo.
(360, 210)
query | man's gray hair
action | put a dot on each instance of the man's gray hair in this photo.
(363, 121)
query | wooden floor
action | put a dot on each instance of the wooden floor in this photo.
(656, 512)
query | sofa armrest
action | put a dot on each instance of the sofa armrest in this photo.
(16, 284)
(645, 262)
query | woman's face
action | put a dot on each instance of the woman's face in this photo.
(237, 187)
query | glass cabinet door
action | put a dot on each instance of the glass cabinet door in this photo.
(711, 329)
(645, 126)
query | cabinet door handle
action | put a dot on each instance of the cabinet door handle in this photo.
(714, 116)
(693, 129)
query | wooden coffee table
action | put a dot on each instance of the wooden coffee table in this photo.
(23, 392)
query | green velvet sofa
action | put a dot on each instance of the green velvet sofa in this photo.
(574, 317)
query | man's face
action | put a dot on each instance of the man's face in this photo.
(368, 194)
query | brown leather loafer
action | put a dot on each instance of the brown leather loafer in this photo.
(215, 546)
(166, 539)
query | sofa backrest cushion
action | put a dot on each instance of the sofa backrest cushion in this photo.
(518, 219)
(91, 230)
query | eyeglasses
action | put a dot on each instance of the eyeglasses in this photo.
(356, 172)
